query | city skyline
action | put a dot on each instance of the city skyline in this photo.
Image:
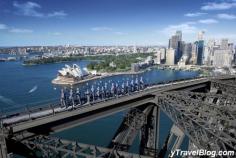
(25, 23)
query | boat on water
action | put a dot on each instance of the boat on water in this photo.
(74, 74)
(3, 59)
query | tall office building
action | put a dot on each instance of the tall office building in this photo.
(193, 59)
(219, 54)
(160, 56)
(187, 49)
(224, 43)
(170, 56)
(176, 43)
(179, 34)
(200, 35)
(200, 49)
(163, 53)
(222, 58)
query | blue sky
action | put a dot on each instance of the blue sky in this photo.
(113, 22)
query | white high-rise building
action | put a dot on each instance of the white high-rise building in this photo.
(170, 56)
(219, 54)
(222, 58)
(163, 53)
(224, 43)
(200, 35)
(193, 59)
(158, 58)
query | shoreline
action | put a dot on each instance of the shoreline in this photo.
(106, 74)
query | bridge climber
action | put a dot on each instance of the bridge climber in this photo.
(71, 97)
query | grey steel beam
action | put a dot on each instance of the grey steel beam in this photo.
(150, 134)
(3, 146)
(135, 119)
(54, 147)
(193, 118)
(225, 88)
(224, 101)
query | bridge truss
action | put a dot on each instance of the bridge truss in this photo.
(53, 147)
(207, 119)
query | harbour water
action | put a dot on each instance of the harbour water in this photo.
(31, 85)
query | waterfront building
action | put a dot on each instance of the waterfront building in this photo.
(135, 67)
(163, 54)
(72, 73)
(183, 61)
(149, 60)
(157, 60)
(170, 56)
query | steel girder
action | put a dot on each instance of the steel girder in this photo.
(54, 147)
(222, 101)
(205, 124)
(229, 82)
(132, 123)
(224, 87)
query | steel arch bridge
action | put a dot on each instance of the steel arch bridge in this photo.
(204, 109)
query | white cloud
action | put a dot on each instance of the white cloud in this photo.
(190, 22)
(31, 9)
(103, 28)
(194, 14)
(218, 6)
(28, 9)
(3, 26)
(18, 30)
(226, 16)
(208, 21)
(184, 27)
(119, 33)
(57, 14)
(56, 33)
(230, 36)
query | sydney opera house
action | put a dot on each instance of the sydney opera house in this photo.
(73, 72)
(71, 75)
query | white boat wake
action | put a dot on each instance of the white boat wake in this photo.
(33, 89)
(6, 100)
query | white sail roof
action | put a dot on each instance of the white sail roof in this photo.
(74, 71)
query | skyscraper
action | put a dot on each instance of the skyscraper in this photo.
(179, 34)
(176, 43)
(200, 46)
(193, 59)
(219, 54)
(224, 43)
(200, 35)
(170, 56)
(222, 58)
